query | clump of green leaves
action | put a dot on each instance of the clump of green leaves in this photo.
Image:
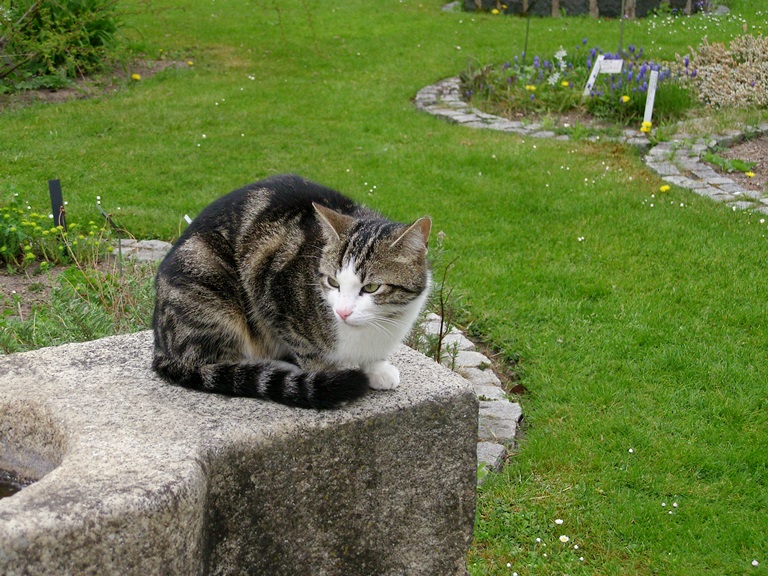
(47, 43)
(727, 164)
(28, 237)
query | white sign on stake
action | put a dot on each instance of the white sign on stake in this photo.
(611, 66)
(593, 75)
(651, 95)
(602, 66)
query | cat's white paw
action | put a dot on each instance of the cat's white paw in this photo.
(383, 376)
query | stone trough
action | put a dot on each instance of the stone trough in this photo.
(135, 476)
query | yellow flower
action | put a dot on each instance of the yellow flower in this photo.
(625, 99)
(190, 63)
(665, 188)
(530, 87)
(646, 127)
(750, 174)
(565, 84)
(135, 76)
(494, 11)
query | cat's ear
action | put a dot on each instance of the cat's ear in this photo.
(416, 235)
(332, 221)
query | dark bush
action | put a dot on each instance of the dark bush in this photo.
(45, 43)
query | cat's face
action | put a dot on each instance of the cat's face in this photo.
(373, 272)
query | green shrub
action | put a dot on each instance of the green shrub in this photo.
(46, 43)
(28, 237)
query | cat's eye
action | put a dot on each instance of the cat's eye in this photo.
(371, 288)
(332, 282)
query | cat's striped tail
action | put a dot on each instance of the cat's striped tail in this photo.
(269, 379)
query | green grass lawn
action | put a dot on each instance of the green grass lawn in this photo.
(637, 323)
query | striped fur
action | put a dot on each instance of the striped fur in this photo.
(269, 293)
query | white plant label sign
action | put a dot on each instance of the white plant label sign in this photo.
(602, 66)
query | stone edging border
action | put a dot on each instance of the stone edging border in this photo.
(677, 161)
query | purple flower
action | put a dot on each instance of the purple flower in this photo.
(583, 40)
(589, 62)
(693, 74)
(533, 97)
(506, 65)
(631, 48)
(686, 61)
(536, 62)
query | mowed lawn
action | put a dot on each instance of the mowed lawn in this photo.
(635, 319)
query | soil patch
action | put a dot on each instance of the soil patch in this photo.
(90, 87)
(754, 150)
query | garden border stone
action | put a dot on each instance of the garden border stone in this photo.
(677, 161)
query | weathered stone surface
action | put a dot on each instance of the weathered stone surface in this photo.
(144, 250)
(470, 359)
(491, 454)
(141, 477)
(498, 420)
(479, 377)
(488, 392)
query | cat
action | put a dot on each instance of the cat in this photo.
(289, 291)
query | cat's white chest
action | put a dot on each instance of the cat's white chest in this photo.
(359, 345)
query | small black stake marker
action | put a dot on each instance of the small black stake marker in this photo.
(57, 204)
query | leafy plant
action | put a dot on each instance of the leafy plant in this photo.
(28, 237)
(736, 75)
(726, 164)
(46, 43)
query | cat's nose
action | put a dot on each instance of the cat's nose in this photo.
(343, 313)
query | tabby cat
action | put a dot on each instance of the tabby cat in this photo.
(288, 291)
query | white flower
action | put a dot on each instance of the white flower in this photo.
(564, 538)
(755, 563)
(558, 521)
